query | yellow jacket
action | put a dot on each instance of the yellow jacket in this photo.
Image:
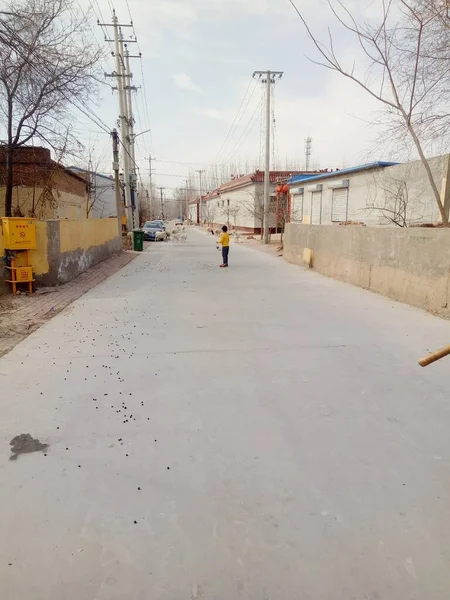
(224, 240)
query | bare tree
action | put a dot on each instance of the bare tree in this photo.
(393, 205)
(408, 54)
(232, 212)
(46, 64)
(209, 212)
(98, 187)
(391, 198)
(279, 213)
(180, 202)
(254, 205)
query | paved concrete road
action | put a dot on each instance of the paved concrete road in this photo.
(260, 433)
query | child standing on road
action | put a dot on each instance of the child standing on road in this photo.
(225, 241)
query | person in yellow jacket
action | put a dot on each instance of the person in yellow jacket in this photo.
(225, 241)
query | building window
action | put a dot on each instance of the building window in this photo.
(228, 202)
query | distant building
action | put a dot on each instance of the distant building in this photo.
(102, 195)
(239, 202)
(378, 193)
(42, 187)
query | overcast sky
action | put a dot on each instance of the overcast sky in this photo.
(198, 58)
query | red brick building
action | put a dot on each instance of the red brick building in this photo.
(43, 188)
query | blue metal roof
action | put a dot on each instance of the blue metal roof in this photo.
(348, 170)
(79, 170)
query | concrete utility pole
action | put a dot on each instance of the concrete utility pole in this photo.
(200, 173)
(133, 174)
(130, 119)
(150, 171)
(115, 139)
(123, 76)
(161, 189)
(186, 194)
(268, 78)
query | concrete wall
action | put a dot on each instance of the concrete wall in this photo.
(378, 188)
(67, 248)
(411, 265)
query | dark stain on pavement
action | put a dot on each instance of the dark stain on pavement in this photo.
(24, 444)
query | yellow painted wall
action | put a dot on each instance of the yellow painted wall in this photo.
(82, 235)
(74, 235)
(71, 206)
(64, 205)
(2, 243)
(39, 257)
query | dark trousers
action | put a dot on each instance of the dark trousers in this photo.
(225, 252)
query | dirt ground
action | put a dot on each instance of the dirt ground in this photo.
(22, 314)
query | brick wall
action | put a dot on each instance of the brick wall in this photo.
(40, 184)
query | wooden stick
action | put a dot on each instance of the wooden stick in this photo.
(431, 358)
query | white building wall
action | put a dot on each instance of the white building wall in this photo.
(105, 199)
(247, 201)
(372, 190)
(193, 213)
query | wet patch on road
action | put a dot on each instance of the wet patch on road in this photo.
(25, 444)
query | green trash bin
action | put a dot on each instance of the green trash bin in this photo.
(138, 240)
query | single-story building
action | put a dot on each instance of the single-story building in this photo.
(239, 202)
(102, 195)
(42, 187)
(378, 193)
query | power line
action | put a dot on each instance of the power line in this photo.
(235, 124)
(248, 129)
(92, 117)
(97, 121)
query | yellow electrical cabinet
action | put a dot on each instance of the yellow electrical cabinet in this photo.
(19, 233)
(24, 274)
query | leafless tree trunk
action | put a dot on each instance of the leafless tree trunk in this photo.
(233, 212)
(408, 53)
(46, 63)
(255, 207)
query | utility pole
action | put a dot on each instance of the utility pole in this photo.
(133, 172)
(115, 139)
(150, 171)
(268, 78)
(200, 173)
(123, 77)
(161, 189)
(186, 198)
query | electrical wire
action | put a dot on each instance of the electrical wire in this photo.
(235, 124)
(184, 176)
(89, 113)
(248, 129)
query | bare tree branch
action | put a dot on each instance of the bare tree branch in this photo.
(409, 61)
(47, 61)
